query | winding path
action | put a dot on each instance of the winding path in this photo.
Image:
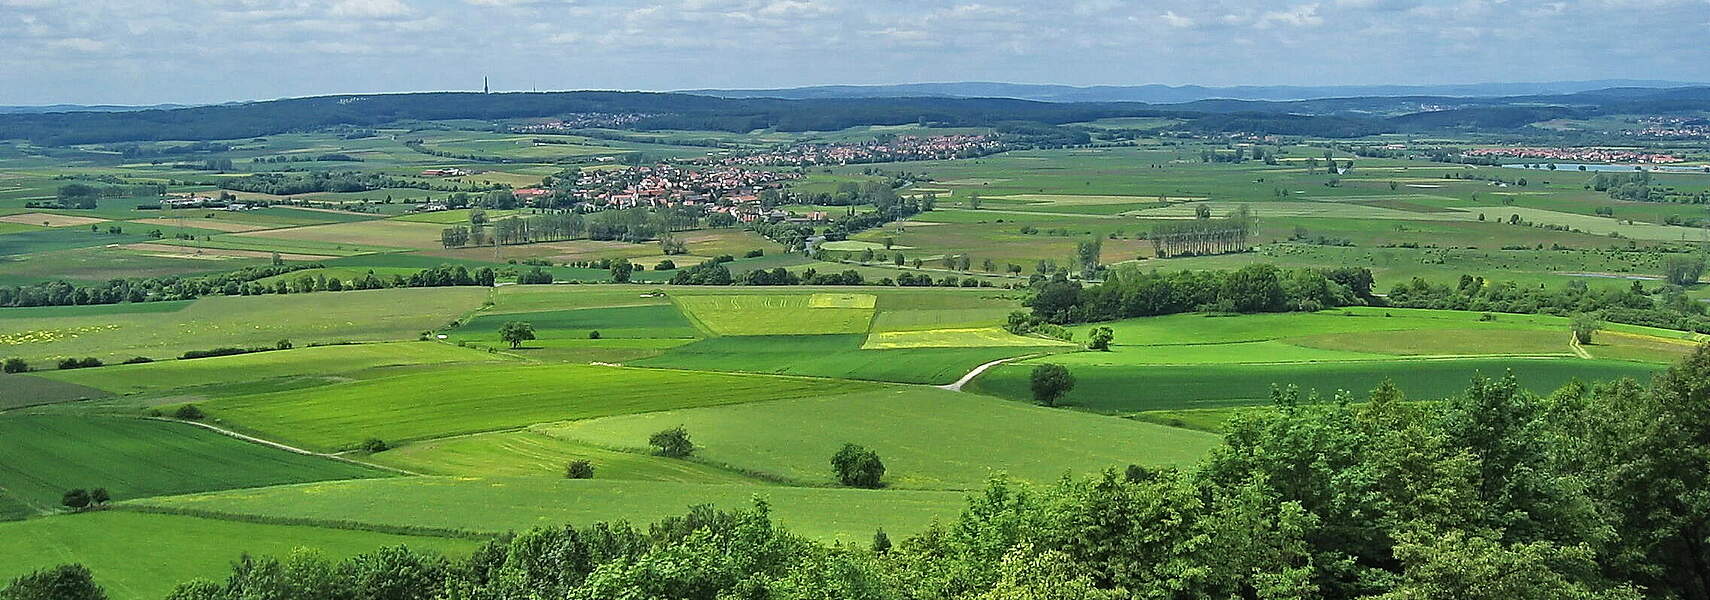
(957, 386)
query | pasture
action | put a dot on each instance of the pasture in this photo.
(839, 356)
(972, 438)
(234, 374)
(447, 402)
(140, 556)
(136, 458)
(497, 505)
(772, 314)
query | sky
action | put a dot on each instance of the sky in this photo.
(196, 51)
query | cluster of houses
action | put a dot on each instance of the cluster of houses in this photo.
(1674, 128)
(1592, 155)
(900, 148)
(192, 200)
(584, 121)
(668, 185)
(447, 172)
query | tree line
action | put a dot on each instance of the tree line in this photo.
(1668, 307)
(242, 282)
(1204, 234)
(1587, 493)
(1129, 291)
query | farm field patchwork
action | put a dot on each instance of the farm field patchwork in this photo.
(832, 356)
(815, 313)
(320, 362)
(648, 321)
(533, 453)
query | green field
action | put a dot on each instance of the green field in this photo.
(232, 374)
(508, 504)
(648, 321)
(138, 556)
(1128, 388)
(135, 458)
(972, 438)
(832, 356)
(772, 314)
(533, 453)
(456, 401)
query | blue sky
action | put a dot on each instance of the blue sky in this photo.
(146, 51)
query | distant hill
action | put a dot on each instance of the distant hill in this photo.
(1167, 94)
(57, 108)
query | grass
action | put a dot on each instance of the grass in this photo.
(754, 314)
(1130, 388)
(831, 356)
(116, 334)
(135, 458)
(456, 401)
(380, 233)
(928, 438)
(18, 391)
(324, 362)
(505, 504)
(138, 556)
(530, 453)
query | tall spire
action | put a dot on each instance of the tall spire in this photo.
(485, 89)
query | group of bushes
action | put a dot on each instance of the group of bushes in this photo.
(1668, 308)
(1129, 291)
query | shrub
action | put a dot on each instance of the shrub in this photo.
(1100, 339)
(282, 345)
(189, 412)
(857, 466)
(1584, 325)
(665, 265)
(594, 335)
(579, 469)
(374, 445)
(137, 360)
(224, 351)
(16, 365)
(77, 499)
(673, 442)
(99, 496)
(755, 253)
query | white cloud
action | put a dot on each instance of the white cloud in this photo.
(369, 9)
(1174, 20)
(1305, 15)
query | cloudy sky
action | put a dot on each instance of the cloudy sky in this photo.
(147, 51)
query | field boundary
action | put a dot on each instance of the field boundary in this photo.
(410, 530)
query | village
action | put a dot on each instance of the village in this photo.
(1591, 155)
(894, 149)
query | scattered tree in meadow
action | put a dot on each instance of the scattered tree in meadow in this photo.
(15, 365)
(374, 446)
(1683, 270)
(64, 582)
(77, 499)
(1049, 383)
(1100, 339)
(579, 469)
(1087, 253)
(673, 443)
(516, 332)
(857, 466)
(99, 496)
(1584, 325)
(621, 270)
(594, 334)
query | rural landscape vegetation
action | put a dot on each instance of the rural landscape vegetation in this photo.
(858, 343)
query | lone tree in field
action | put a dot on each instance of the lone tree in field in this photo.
(673, 442)
(516, 332)
(856, 466)
(77, 499)
(64, 582)
(1683, 270)
(16, 365)
(189, 412)
(99, 496)
(620, 270)
(1100, 339)
(374, 445)
(1050, 382)
(579, 469)
(1584, 325)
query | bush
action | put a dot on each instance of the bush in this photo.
(755, 253)
(282, 345)
(189, 412)
(1584, 325)
(594, 335)
(665, 265)
(856, 466)
(673, 442)
(99, 496)
(16, 365)
(137, 360)
(79, 363)
(373, 446)
(1100, 339)
(225, 351)
(579, 469)
(77, 499)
